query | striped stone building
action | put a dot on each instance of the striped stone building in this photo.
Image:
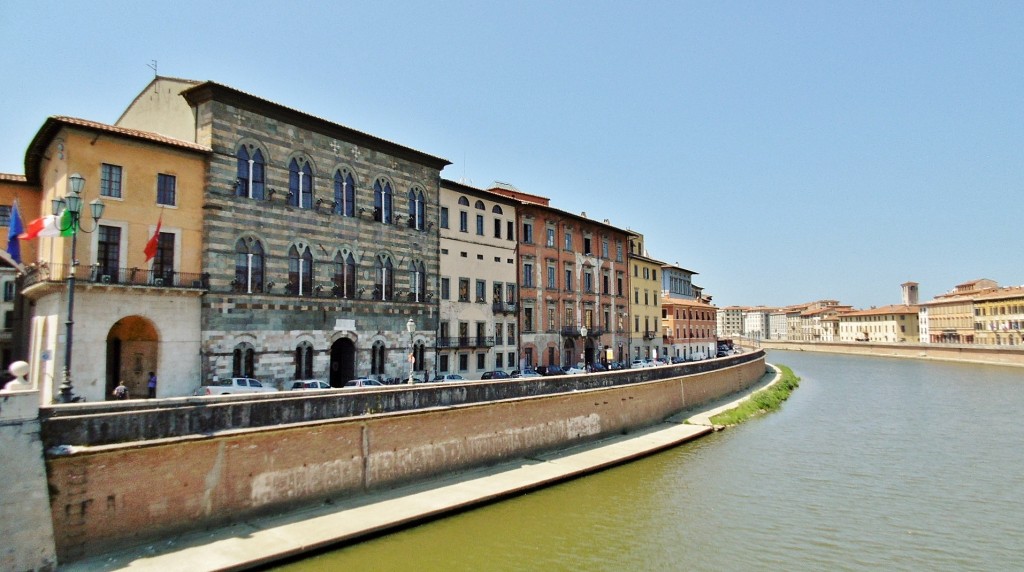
(320, 241)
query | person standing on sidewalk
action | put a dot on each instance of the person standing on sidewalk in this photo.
(152, 385)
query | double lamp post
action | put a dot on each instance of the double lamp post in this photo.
(71, 205)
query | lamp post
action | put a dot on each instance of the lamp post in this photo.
(410, 327)
(583, 336)
(72, 204)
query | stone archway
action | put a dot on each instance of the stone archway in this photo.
(343, 362)
(568, 351)
(132, 352)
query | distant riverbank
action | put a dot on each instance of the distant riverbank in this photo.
(994, 355)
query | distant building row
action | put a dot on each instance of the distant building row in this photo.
(977, 312)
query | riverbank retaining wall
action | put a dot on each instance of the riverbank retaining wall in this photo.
(133, 491)
(946, 352)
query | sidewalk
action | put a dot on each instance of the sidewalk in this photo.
(264, 540)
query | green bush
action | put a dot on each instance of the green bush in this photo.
(763, 401)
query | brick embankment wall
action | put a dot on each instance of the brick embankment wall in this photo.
(945, 352)
(140, 491)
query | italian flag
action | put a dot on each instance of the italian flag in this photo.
(49, 225)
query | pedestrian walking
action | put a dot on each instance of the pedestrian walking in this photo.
(152, 385)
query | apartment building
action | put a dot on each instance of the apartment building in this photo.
(573, 284)
(896, 323)
(478, 330)
(999, 317)
(645, 309)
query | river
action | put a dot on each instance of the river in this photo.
(872, 464)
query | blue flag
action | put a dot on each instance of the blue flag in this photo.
(16, 228)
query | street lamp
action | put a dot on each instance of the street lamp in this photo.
(410, 327)
(72, 204)
(583, 355)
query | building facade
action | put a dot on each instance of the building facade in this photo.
(896, 324)
(999, 317)
(478, 284)
(132, 313)
(688, 329)
(572, 279)
(645, 307)
(320, 241)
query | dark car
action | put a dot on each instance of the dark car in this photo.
(598, 366)
(496, 374)
(550, 370)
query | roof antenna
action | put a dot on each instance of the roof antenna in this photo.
(152, 65)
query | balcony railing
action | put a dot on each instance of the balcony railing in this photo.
(649, 335)
(466, 342)
(503, 308)
(115, 276)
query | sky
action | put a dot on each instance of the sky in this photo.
(785, 151)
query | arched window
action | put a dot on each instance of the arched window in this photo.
(300, 271)
(251, 173)
(416, 208)
(344, 275)
(384, 278)
(377, 358)
(243, 361)
(382, 201)
(417, 281)
(300, 184)
(344, 193)
(479, 206)
(496, 209)
(248, 266)
(304, 361)
(464, 201)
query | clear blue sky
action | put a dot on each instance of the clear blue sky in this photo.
(785, 151)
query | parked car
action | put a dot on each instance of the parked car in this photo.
(575, 370)
(310, 384)
(362, 382)
(525, 373)
(678, 359)
(450, 377)
(547, 370)
(496, 374)
(597, 367)
(232, 385)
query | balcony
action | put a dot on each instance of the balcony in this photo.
(503, 308)
(649, 335)
(466, 342)
(115, 276)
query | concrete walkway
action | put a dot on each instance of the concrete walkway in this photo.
(264, 540)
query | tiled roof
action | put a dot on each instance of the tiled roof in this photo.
(53, 124)
(893, 309)
(204, 91)
(134, 133)
(1002, 293)
(12, 178)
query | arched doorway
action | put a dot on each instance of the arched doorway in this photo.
(343, 362)
(132, 345)
(588, 352)
(568, 352)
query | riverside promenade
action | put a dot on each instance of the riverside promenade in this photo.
(261, 541)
